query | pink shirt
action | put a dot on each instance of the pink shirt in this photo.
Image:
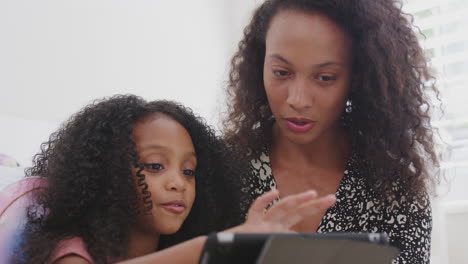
(72, 246)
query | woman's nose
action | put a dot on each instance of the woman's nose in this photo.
(300, 95)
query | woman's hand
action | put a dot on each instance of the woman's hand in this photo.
(282, 216)
(279, 218)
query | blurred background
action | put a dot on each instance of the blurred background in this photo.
(442, 30)
(58, 55)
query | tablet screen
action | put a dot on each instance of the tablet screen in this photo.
(296, 247)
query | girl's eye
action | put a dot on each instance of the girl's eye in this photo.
(326, 78)
(153, 167)
(280, 73)
(189, 172)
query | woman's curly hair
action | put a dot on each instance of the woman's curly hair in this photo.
(388, 118)
(91, 191)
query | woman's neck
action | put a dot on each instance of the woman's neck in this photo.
(331, 150)
(142, 243)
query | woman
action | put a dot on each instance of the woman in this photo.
(127, 178)
(332, 96)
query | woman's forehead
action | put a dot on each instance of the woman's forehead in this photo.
(312, 35)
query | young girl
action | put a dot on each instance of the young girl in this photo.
(332, 95)
(128, 177)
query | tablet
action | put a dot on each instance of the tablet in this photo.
(332, 248)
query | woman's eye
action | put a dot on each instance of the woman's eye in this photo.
(189, 172)
(153, 167)
(326, 78)
(280, 73)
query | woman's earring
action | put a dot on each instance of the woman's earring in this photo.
(349, 106)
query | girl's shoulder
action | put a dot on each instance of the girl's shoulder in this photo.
(74, 246)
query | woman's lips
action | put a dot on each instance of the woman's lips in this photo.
(176, 207)
(299, 125)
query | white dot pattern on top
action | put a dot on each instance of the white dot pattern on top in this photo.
(408, 223)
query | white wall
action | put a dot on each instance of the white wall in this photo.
(58, 55)
(21, 138)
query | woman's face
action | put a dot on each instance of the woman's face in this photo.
(167, 150)
(306, 74)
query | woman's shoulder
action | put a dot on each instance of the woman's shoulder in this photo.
(261, 179)
(356, 184)
(261, 162)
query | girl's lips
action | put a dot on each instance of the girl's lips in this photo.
(176, 207)
(299, 125)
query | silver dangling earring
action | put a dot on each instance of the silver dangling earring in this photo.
(349, 106)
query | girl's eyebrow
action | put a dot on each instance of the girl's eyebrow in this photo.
(165, 149)
(320, 65)
(190, 154)
(155, 147)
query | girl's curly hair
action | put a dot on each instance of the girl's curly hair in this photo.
(91, 190)
(388, 118)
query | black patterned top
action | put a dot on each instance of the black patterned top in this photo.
(358, 209)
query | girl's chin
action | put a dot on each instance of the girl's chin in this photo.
(169, 229)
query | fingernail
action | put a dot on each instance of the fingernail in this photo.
(275, 191)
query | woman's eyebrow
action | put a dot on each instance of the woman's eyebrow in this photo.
(328, 63)
(320, 65)
(279, 57)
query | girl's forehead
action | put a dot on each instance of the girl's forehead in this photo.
(162, 131)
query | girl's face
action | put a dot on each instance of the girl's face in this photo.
(166, 149)
(306, 74)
